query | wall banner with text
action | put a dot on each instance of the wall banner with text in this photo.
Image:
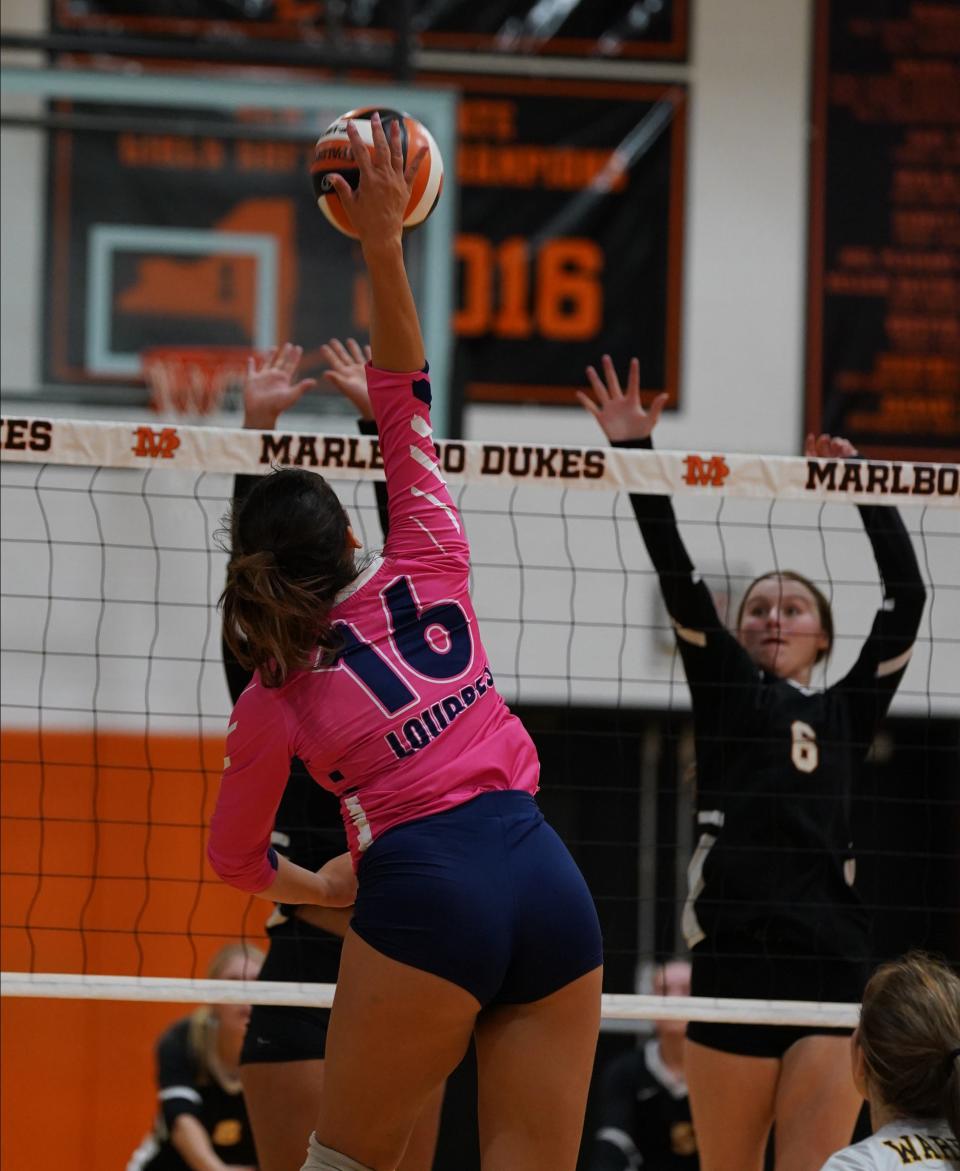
(883, 357)
(602, 30)
(569, 243)
(570, 238)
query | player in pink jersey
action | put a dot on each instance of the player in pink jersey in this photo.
(471, 918)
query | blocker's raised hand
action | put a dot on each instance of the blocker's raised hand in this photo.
(269, 388)
(347, 372)
(620, 412)
(376, 209)
(828, 447)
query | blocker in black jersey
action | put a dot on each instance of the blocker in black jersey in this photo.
(771, 879)
(309, 832)
(190, 1082)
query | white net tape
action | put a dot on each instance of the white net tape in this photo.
(616, 1008)
(703, 474)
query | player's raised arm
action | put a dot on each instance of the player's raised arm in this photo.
(626, 423)
(376, 211)
(883, 659)
(424, 522)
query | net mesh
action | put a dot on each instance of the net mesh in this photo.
(114, 703)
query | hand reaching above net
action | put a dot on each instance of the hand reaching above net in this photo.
(619, 412)
(347, 373)
(269, 389)
(828, 447)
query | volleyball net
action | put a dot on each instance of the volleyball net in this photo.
(114, 701)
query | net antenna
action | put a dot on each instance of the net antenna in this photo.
(191, 382)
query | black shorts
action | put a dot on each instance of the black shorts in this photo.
(742, 971)
(297, 953)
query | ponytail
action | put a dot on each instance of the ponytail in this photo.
(290, 558)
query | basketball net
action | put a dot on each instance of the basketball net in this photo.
(190, 382)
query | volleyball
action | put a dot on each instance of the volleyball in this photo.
(333, 155)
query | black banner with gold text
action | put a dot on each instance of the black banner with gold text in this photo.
(601, 30)
(570, 229)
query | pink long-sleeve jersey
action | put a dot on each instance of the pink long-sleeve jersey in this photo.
(407, 722)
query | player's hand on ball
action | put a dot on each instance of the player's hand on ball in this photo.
(347, 362)
(269, 389)
(376, 209)
(620, 412)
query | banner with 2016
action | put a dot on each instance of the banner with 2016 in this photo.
(570, 240)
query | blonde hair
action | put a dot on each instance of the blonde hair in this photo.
(203, 1021)
(909, 1035)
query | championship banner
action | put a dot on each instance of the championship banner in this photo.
(173, 238)
(602, 29)
(571, 235)
(883, 358)
(570, 240)
(509, 465)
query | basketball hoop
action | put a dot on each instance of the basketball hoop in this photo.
(190, 381)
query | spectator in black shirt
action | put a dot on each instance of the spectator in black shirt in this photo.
(643, 1120)
(202, 1122)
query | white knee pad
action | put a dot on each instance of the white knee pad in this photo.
(321, 1158)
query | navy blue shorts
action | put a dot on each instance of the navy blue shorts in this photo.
(484, 895)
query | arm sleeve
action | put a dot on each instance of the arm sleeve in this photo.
(238, 678)
(369, 427)
(875, 676)
(176, 1075)
(255, 772)
(424, 522)
(710, 653)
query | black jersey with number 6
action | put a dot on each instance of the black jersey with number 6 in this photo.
(777, 762)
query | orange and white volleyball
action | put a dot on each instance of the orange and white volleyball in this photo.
(334, 155)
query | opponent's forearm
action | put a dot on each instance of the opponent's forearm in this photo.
(892, 549)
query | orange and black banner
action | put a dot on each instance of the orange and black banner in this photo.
(602, 29)
(883, 358)
(570, 235)
(569, 243)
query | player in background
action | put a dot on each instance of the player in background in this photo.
(643, 1112)
(471, 917)
(281, 1064)
(202, 1121)
(906, 1063)
(772, 912)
